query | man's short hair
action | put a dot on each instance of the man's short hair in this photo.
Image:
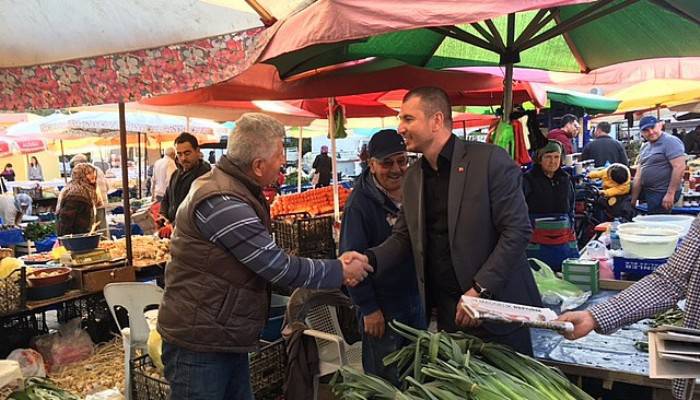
(255, 136)
(567, 119)
(186, 137)
(433, 99)
(604, 126)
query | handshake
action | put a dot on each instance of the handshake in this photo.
(355, 267)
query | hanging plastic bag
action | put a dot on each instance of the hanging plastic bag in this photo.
(30, 362)
(554, 290)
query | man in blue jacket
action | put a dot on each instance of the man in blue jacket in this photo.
(370, 213)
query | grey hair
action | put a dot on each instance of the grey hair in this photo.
(255, 136)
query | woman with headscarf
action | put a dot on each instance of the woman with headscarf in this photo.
(549, 193)
(75, 212)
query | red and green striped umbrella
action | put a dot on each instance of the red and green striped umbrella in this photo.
(573, 38)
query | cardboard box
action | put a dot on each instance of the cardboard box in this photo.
(582, 273)
(674, 352)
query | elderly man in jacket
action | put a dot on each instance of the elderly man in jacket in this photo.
(369, 214)
(464, 219)
(224, 259)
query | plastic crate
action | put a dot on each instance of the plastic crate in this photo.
(302, 235)
(267, 372)
(146, 383)
(635, 268)
(13, 292)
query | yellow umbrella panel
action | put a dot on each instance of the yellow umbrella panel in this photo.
(657, 92)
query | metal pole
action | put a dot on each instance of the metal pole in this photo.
(125, 184)
(145, 159)
(299, 163)
(508, 93)
(138, 154)
(508, 80)
(334, 160)
(658, 111)
(63, 161)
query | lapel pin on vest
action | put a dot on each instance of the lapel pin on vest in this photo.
(460, 169)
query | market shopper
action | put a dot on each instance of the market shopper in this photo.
(75, 212)
(190, 167)
(102, 188)
(464, 219)
(678, 279)
(661, 166)
(323, 167)
(163, 169)
(8, 173)
(217, 290)
(604, 150)
(549, 193)
(568, 130)
(369, 214)
(35, 172)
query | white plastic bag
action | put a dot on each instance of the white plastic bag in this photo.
(30, 361)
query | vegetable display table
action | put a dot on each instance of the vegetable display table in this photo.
(609, 358)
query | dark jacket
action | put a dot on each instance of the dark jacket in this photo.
(368, 217)
(212, 301)
(488, 229)
(605, 149)
(322, 165)
(546, 195)
(75, 216)
(178, 188)
(562, 137)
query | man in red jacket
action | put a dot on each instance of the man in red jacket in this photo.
(569, 130)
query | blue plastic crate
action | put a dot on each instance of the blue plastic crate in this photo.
(635, 268)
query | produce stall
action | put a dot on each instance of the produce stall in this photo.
(619, 358)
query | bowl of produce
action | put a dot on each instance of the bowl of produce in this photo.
(48, 276)
(648, 241)
(81, 241)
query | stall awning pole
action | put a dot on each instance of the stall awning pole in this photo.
(508, 79)
(125, 183)
(138, 152)
(63, 161)
(334, 159)
(299, 163)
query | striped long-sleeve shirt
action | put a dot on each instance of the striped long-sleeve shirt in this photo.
(678, 279)
(234, 225)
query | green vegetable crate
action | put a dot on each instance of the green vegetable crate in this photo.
(582, 273)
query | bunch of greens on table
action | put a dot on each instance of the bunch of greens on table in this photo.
(442, 366)
(36, 231)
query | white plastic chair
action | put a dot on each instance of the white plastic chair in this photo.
(134, 297)
(333, 352)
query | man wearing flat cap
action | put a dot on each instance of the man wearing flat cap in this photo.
(370, 213)
(661, 166)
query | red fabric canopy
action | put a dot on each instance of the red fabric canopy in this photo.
(366, 94)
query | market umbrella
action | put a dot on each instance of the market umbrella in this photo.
(657, 93)
(560, 36)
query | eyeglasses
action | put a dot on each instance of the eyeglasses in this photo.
(388, 162)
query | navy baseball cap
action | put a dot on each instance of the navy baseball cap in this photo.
(647, 122)
(385, 143)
